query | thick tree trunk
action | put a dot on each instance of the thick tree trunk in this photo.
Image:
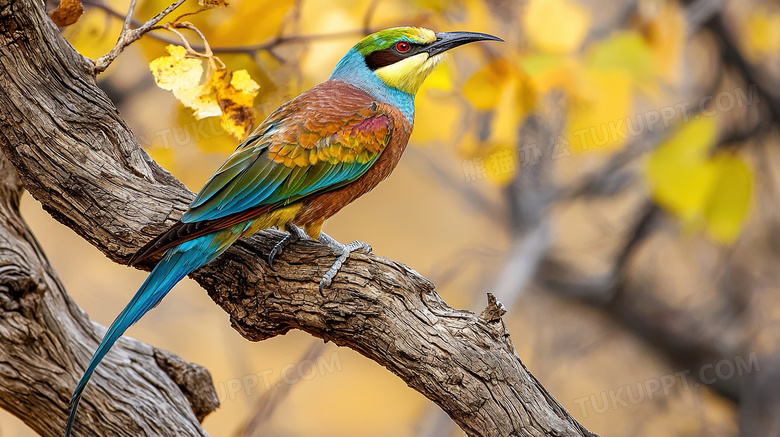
(79, 159)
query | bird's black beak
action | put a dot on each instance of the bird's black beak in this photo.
(449, 40)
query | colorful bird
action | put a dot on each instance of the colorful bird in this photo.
(314, 155)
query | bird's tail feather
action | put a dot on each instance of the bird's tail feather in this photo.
(177, 263)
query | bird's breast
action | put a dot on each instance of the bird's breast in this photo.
(323, 206)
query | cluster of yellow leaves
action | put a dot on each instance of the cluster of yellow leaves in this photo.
(600, 80)
(600, 83)
(229, 96)
(504, 90)
(706, 191)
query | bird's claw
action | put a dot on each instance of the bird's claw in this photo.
(277, 249)
(294, 234)
(365, 246)
(343, 251)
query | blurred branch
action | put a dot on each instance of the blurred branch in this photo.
(249, 49)
(128, 18)
(529, 195)
(699, 12)
(45, 340)
(77, 157)
(600, 290)
(732, 56)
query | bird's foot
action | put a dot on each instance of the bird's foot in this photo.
(343, 251)
(294, 234)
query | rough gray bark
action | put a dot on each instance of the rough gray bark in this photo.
(78, 158)
(45, 339)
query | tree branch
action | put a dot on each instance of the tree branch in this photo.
(45, 339)
(129, 36)
(78, 158)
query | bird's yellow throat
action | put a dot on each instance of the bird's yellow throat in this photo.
(408, 75)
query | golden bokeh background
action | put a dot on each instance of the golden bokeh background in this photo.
(568, 66)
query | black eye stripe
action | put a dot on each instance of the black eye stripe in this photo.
(390, 55)
(383, 58)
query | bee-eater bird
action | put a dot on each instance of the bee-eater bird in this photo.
(314, 155)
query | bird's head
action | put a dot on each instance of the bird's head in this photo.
(403, 57)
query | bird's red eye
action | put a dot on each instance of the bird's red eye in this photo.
(402, 47)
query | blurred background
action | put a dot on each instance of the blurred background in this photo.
(610, 173)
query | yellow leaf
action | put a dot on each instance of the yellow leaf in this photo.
(729, 203)
(556, 26)
(626, 51)
(176, 71)
(598, 116)
(485, 88)
(682, 187)
(236, 99)
(243, 84)
(692, 141)
(762, 33)
(182, 76)
(704, 191)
